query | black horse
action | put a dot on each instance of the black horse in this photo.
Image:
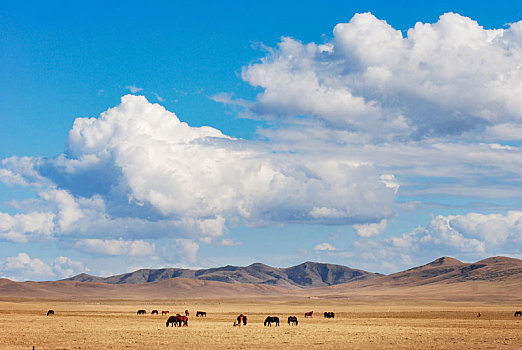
(50, 312)
(329, 315)
(269, 320)
(292, 320)
(518, 313)
(201, 314)
(141, 312)
(154, 312)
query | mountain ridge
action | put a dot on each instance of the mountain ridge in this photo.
(496, 279)
(306, 275)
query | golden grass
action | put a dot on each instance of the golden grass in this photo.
(358, 325)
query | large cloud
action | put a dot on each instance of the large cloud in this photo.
(138, 172)
(444, 78)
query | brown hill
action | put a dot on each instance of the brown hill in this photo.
(492, 279)
(169, 289)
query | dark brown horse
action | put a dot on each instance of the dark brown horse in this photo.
(177, 321)
(141, 312)
(518, 313)
(50, 312)
(308, 314)
(174, 321)
(241, 319)
(269, 320)
(154, 312)
(164, 312)
(186, 313)
(201, 314)
(292, 320)
(329, 315)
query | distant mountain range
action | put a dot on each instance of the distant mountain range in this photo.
(497, 279)
(306, 275)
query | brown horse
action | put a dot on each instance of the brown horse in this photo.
(292, 320)
(308, 314)
(241, 319)
(50, 312)
(141, 312)
(154, 312)
(186, 313)
(174, 321)
(164, 312)
(518, 313)
(479, 314)
(201, 314)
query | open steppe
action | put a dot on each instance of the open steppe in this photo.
(359, 324)
(433, 306)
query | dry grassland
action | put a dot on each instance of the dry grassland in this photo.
(358, 325)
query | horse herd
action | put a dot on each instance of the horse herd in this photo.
(178, 320)
(182, 321)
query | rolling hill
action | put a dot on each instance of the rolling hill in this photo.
(494, 279)
(497, 279)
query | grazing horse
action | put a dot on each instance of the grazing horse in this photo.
(187, 313)
(479, 314)
(164, 312)
(174, 321)
(201, 314)
(269, 320)
(154, 312)
(308, 314)
(292, 320)
(329, 315)
(241, 319)
(141, 312)
(518, 313)
(50, 312)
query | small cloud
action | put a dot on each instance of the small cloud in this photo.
(368, 230)
(228, 99)
(65, 267)
(115, 247)
(324, 246)
(133, 89)
(159, 98)
(230, 242)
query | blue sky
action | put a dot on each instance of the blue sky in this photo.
(372, 134)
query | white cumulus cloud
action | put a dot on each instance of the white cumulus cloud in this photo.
(137, 172)
(442, 78)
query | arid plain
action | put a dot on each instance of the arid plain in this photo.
(434, 306)
(357, 325)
